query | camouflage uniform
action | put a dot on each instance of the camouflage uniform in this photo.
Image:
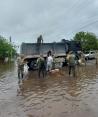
(71, 63)
(20, 67)
(41, 66)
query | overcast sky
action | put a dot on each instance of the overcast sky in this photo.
(25, 20)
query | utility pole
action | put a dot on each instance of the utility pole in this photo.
(10, 39)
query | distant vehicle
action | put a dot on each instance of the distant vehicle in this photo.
(90, 55)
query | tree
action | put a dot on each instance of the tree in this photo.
(6, 48)
(88, 40)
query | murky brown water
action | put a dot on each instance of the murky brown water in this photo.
(57, 95)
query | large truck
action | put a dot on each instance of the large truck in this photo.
(32, 51)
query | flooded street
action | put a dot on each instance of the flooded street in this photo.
(57, 95)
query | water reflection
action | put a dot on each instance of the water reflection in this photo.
(6, 68)
(57, 95)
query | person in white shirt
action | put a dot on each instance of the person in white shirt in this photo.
(49, 63)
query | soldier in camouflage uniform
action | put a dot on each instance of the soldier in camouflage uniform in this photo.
(71, 62)
(41, 66)
(20, 65)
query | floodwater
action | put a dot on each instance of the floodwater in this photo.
(57, 95)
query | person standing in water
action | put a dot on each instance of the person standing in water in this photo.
(41, 66)
(20, 65)
(49, 63)
(71, 63)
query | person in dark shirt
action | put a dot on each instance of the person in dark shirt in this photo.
(41, 66)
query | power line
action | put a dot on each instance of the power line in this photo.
(89, 24)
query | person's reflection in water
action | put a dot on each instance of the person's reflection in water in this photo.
(73, 88)
(20, 90)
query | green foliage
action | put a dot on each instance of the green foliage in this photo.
(88, 40)
(6, 48)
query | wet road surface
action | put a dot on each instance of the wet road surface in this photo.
(57, 95)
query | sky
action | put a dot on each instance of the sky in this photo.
(25, 20)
